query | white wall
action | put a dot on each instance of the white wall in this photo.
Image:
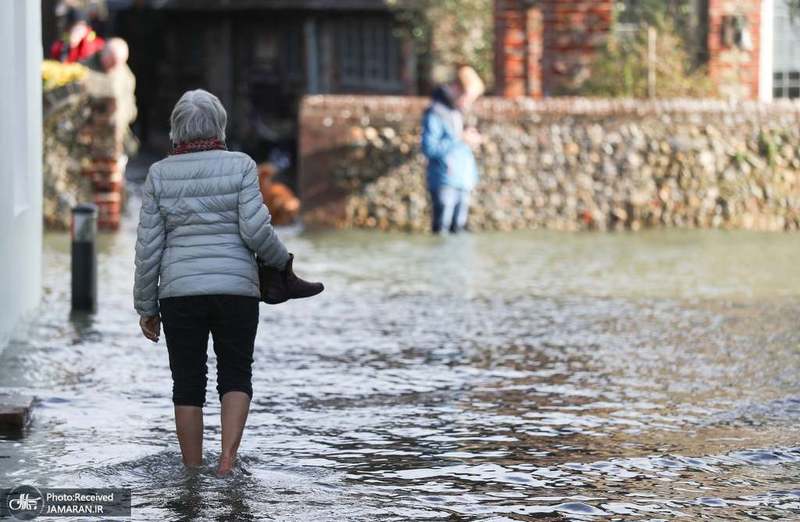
(20, 161)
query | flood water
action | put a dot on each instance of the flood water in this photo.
(496, 377)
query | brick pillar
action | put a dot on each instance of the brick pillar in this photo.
(574, 30)
(546, 47)
(734, 62)
(518, 48)
(105, 165)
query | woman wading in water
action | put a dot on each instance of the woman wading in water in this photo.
(201, 222)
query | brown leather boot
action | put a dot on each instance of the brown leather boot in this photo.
(278, 286)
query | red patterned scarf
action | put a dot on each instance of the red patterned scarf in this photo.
(198, 146)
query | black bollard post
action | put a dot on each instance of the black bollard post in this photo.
(84, 257)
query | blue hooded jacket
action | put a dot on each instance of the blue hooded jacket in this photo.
(450, 160)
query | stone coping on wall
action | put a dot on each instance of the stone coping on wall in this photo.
(562, 105)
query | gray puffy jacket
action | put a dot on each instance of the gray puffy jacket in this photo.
(201, 220)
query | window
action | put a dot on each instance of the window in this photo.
(293, 60)
(370, 54)
(786, 73)
(350, 50)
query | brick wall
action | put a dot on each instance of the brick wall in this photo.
(105, 165)
(518, 48)
(573, 32)
(546, 47)
(734, 68)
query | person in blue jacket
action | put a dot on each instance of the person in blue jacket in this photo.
(452, 171)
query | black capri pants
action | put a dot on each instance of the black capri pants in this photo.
(232, 321)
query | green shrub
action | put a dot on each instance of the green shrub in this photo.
(621, 67)
(446, 32)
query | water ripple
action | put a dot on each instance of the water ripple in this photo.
(484, 379)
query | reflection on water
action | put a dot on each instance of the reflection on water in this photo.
(489, 377)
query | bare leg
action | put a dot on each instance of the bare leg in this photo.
(235, 407)
(189, 425)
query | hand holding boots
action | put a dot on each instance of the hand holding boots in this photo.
(278, 286)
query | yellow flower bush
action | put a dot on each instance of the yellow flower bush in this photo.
(56, 74)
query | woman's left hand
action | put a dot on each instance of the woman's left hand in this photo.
(151, 327)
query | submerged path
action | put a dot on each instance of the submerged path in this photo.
(488, 377)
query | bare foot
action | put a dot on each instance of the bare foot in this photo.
(225, 465)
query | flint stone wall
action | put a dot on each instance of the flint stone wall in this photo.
(65, 112)
(83, 152)
(567, 164)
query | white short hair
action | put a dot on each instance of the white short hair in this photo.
(197, 115)
(117, 47)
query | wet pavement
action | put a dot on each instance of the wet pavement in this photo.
(497, 377)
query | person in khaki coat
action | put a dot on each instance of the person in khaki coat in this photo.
(112, 61)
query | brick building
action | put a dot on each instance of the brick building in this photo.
(545, 47)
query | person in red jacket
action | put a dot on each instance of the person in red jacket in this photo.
(80, 42)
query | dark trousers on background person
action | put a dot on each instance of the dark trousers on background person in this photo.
(232, 321)
(450, 209)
